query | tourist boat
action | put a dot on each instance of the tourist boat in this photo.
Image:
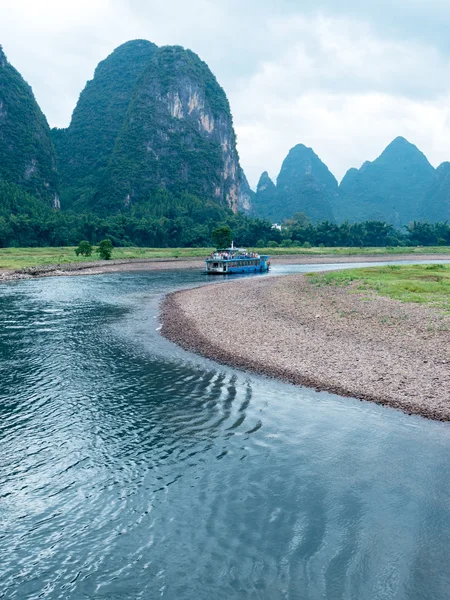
(236, 260)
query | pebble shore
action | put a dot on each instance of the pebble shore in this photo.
(349, 342)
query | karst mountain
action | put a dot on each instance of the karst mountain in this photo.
(304, 184)
(398, 187)
(390, 188)
(28, 173)
(153, 129)
(151, 119)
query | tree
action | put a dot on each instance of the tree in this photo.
(84, 248)
(222, 237)
(105, 249)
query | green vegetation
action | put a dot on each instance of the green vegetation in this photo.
(20, 258)
(105, 249)
(304, 185)
(84, 149)
(398, 187)
(124, 145)
(150, 160)
(435, 205)
(388, 189)
(84, 248)
(155, 148)
(27, 157)
(424, 284)
(222, 237)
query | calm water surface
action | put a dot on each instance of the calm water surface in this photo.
(131, 469)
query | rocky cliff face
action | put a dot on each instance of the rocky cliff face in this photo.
(27, 157)
(246, 195)
(178, 134)
(389, 189)
(304, 185)
(435, 205)
(152, 118)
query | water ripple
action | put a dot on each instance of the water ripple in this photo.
(130, 471)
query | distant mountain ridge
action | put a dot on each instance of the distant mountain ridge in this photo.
(400, 186)
(388, 189)
(304, 184)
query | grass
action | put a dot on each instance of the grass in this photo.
(19, 258)
(424, 284)
(377, 251)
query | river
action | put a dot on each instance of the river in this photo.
(132, 469)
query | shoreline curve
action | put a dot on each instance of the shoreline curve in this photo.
(359, 345)
(161, 264)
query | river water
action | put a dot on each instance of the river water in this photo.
(132, 469)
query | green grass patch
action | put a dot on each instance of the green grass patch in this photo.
(424, 284)
(369, 251)
(19, 258)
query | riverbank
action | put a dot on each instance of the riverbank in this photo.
(98, 267)
(163, 264)
(13, 259)
(339, 339)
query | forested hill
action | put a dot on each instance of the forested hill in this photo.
(27, 157)
(151, 119)
(390, 188)
(84, 149)
(435, 205)
(398, 187)
(305, 184)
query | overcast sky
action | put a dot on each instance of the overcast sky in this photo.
(342, 77)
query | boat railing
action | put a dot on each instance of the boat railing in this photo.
(226, 256)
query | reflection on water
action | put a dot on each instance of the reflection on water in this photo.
(130, 469)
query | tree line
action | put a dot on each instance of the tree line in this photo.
(167, 221)
(67, 229)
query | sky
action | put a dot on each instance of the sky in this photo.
(344, 78)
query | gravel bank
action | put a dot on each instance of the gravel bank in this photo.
(353, 344)
(163, 264)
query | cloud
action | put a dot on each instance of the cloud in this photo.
(338, 87)
(343, 77)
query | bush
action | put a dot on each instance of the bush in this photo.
(260, 244)
(272, 244)
(105, 249)
(306, 245)
(222, 237)
(84, 248)
(286, 243)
